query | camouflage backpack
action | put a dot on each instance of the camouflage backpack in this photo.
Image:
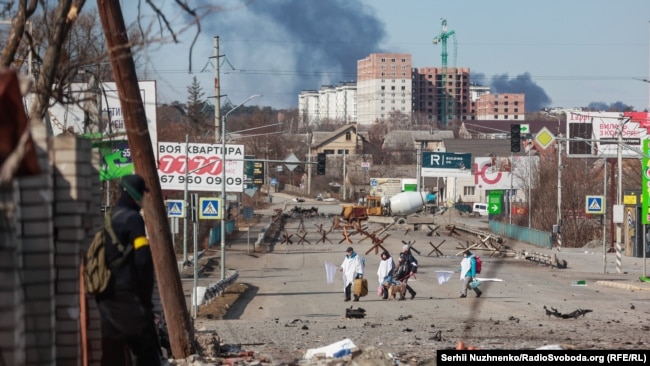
(97, 272)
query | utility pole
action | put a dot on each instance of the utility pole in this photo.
(619, 194)
(217, 91)
(181, 333)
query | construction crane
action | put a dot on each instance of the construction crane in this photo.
(447, 101)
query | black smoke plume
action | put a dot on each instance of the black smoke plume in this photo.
(536, 97)
(309, 43)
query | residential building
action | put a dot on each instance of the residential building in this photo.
(433, 88)
(308, 107)
(384, 86)
(346, 102)
(501, 107)
(336, 103)
(327, 102)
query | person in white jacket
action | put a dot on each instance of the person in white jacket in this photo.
(385, 272)
(352, 268)
(468, 273)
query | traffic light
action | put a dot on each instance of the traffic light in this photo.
(515, 138)
(321, 159)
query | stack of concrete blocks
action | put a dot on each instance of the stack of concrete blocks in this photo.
(76, 218)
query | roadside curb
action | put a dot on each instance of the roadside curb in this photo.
(625, 286)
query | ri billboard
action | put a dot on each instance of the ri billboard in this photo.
(446, 164)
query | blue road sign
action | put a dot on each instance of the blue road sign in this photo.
(595, 205)
(374, 183)
(176, 208)
(210, 208)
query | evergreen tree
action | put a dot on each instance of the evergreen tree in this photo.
(195, 104)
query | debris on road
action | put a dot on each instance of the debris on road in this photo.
(574, 314)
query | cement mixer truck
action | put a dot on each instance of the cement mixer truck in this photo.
(389, 209)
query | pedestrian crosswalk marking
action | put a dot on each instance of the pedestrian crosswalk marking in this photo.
(210, 209)
(594, 206)
(175, 209)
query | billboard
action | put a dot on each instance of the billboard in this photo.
(116, 159)
(78, 117)
(446, 164)
(203, 163)
(604, 127)
(503, 172)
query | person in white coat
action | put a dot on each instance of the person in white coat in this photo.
(352, 268)
(385, 272)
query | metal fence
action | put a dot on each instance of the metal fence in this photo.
(540, 238)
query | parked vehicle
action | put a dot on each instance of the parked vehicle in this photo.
(480, 209)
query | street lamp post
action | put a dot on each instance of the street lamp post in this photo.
(559, 182)
(223, 185)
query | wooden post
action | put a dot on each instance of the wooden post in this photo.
(181, 332)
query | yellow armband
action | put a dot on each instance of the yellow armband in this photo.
(140, 242)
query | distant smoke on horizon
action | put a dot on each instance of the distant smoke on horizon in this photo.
(613, 107)
(296, 45)
(536, 97)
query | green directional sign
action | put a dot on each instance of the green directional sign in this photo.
(494, 202)
(524, 129)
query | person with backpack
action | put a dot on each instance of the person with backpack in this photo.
(407, 267)
(468, 270)
(352, 268)
(128, 329)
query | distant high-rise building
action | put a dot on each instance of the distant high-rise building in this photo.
(308, 107)
(387, 85)
(335, 103)
(384, 86)
(431, 92)
(501, 107)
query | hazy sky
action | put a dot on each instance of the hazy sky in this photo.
(560, 53)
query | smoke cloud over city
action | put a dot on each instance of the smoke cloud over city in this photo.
(290, 46)
(536, 97)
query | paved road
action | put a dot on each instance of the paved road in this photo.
(288, 285)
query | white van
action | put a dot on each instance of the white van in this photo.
(480, 209)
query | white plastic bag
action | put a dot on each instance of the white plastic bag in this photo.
(330, 271)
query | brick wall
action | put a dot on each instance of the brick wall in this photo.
(36, 244)
(76, 217)
(46, 222)
(12, 327)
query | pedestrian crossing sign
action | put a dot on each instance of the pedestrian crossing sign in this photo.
(210, 208)
(175, 208)
(595, 205)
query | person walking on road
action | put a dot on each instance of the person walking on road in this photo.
(385, 272)
(407, 268)
(468, 273)
(352, 268)
(128, 329)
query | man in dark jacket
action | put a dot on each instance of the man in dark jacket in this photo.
(406, 268)
(126, 307)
